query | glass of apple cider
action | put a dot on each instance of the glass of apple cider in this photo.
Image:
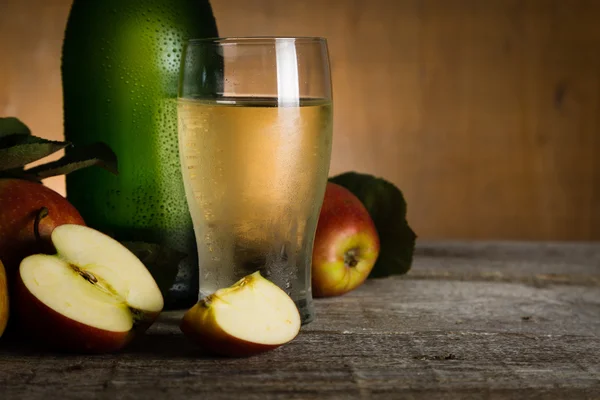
(255, 132)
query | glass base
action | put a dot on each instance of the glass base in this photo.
(307, 311)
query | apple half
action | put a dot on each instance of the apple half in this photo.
(94, 295)
(252, 316)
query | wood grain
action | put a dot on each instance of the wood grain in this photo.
(402, 337)
(484, 113)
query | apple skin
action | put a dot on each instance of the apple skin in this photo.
(20, 202)
(199, 323)
(4, 308)
(346, 244)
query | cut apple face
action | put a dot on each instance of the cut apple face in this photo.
(252, 316)
(91, 296)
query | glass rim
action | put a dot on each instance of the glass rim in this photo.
(240, 40)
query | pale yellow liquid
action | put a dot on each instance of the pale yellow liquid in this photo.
(255, 177)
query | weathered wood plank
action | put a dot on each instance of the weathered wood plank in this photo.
(332, 365)
(532, 263)
(400, 337)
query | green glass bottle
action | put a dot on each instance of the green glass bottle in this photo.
(120, 67)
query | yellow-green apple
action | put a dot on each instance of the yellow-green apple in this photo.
(94, 295)
(3, 299)
(346, 244)
(252, 316)
(21, 202)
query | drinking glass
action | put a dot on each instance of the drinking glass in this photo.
(255, 131)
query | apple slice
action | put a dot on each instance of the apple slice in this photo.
(92, 296)
(252, 316)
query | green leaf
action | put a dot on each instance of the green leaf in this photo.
(387, 208)
(78, 157)
(19, 149)
(13, 126)
(161, 261)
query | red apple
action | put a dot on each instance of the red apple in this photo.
(93, 296)
(346, 244)
(3, 299)
(21, 202)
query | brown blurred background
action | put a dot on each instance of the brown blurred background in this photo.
(486, 113)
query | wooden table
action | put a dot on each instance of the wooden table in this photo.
(478, 320)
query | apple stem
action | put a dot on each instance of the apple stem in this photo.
(206, 301)
(42, 213)
(351, 257)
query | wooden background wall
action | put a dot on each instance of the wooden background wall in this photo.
(485, 113)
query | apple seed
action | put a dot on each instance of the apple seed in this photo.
(100, 284)
(89, 277)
